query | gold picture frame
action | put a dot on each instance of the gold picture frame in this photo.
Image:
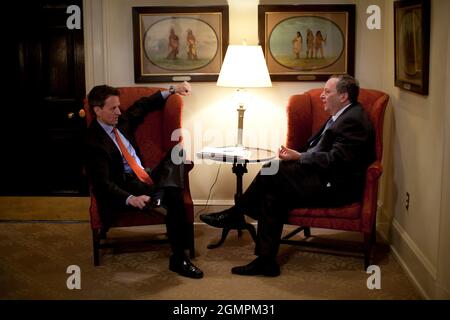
(307, 42)
(412, 45)
(179, 43)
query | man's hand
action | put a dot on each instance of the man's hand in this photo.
(139, 201)
(288, 154)
(183, 88)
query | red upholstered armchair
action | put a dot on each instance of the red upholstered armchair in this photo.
(305, 116)
(153, 137)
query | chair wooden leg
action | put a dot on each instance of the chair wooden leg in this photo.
(368, 244)
(307, 232)
(373, 239)
(96, 246)
(370, 239)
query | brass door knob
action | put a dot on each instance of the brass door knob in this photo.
(70, 115)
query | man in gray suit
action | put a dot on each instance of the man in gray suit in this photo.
(330, 172)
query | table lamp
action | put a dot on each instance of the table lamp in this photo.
(243, 67)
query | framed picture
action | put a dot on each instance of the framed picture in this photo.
(412, 45)
(179, 43)
(307, 42)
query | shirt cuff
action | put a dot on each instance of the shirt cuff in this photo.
(165, 94)
(301, 157)
(126, 201)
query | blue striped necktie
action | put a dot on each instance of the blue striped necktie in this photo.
(327, 125)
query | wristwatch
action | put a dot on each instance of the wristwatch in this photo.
(172, 89)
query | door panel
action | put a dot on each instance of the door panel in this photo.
(44, 97)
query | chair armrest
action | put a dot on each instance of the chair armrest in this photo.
(369, 201)
(189, 166)
(374, 171)
(171, 119)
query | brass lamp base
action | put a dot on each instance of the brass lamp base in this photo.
(240, 111)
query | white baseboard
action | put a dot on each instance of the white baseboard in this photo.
(416, 265)
(223, 202)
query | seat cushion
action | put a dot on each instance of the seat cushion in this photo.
(137, 218)
(351, 211)
(127, 218)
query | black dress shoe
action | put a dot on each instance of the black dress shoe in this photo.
(259, 266)
(184, 267)
(228, 218)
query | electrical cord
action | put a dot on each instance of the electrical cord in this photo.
(210, 190)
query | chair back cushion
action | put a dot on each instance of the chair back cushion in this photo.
(374, 102)
(149, 134)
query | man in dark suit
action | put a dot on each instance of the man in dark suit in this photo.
(330, 172)
(118, 178)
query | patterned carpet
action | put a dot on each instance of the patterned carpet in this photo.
(35, 256)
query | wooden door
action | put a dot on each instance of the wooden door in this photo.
(43, 124)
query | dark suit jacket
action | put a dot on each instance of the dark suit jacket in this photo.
(104, 165)
(342, 154)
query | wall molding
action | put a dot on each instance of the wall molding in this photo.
(409, 273)
(106, 41)
(95, 47)
(417, 266)
(415, 249)
(223, 202)
(443, 281)
(21, 208)
(383, 222)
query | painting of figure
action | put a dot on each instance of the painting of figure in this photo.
(412, 45)
(319, 41)
(191, 45)
(309, 43)
(170, 44)
(297, 45)
(327, 34)
(174, 43)
(179, 43)
(325, 43)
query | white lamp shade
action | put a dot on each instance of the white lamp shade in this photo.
(244, 67)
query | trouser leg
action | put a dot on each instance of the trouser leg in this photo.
(176, 220)
(168, 173)
(269, 197)
(262, 201)
(168, 185)
(253, 199)
(270, 228)
(293, 184)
